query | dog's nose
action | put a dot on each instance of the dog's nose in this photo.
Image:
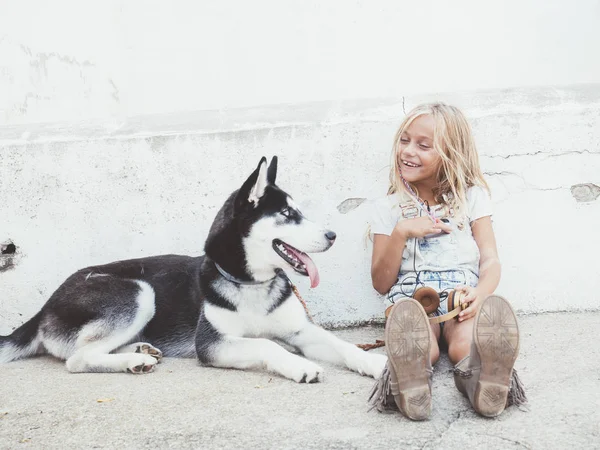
(330, 235)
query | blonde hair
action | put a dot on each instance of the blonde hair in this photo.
(453, 141)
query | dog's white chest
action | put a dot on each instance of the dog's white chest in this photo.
(257, 314)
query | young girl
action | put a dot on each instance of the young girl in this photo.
(434, 229)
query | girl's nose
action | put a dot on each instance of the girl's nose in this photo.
(408, 150)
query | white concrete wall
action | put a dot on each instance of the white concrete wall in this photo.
(74, 60)
(154, 187)
(118, 136)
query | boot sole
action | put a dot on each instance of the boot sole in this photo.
(496, 337)
(408, 346)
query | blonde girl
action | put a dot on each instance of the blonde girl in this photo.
(434, 229)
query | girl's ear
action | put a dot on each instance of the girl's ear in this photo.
(254, 187)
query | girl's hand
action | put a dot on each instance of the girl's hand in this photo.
(419, 227)
(474, 298)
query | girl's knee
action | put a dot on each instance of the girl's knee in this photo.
(434, 354)
(434, 351)
(458, 349)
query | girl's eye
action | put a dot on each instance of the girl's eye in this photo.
(285, 212)
(425, 147)
(404, 140)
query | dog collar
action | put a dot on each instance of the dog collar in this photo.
(235, 280)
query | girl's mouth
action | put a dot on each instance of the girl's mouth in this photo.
(410, 164)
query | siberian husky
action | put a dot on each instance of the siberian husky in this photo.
(226, 307)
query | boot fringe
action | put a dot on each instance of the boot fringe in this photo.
(516, 391)
(462, 373)
(381, 397)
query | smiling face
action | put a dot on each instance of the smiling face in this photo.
(419, 162)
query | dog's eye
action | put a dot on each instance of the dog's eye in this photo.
(286, 212)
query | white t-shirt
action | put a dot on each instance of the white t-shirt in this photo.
(453, 251)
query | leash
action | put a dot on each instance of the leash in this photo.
(298, 296)
(366, 347)
(301, 300)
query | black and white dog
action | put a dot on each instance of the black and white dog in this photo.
(225, 306)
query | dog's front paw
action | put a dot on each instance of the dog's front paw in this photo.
(141, 363)
(311, 374)
(372, 365)
(148, 349)
(304, 371)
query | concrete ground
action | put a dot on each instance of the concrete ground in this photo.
(183, 405)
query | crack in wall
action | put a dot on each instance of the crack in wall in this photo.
(30, 96)
(547, 154)
(584, 193)
(36, 79)
(43, 57)
(115, 93)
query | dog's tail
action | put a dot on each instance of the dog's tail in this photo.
(23, 342)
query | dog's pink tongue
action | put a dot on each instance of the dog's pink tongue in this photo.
(313, 273)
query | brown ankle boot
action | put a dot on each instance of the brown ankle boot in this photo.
(486, 375)
(408, 346)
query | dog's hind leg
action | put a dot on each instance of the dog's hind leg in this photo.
(97, 339)
(315, 342)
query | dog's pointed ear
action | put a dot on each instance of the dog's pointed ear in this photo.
(272, 172)
(254, 187)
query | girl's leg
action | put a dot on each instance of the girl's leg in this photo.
(411, 346)
(436, 332)
(484, 350)
(459, 336)
(435, 339)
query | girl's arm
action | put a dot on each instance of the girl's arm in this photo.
(386, 259)
(489, 266)
(387, 250)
